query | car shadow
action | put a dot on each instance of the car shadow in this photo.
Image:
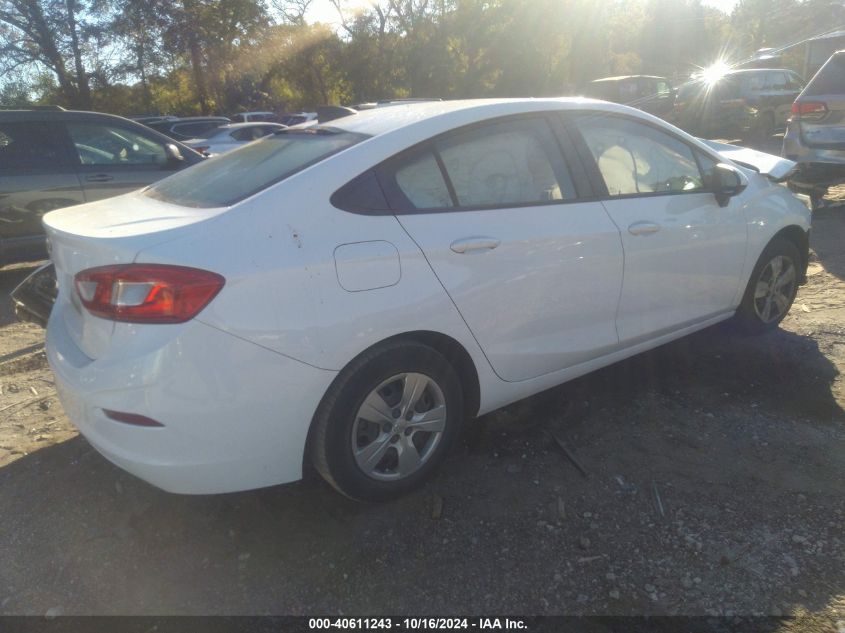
(81, 536)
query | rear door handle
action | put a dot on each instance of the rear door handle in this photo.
(468, 244)
(99, 178)
(643, 228)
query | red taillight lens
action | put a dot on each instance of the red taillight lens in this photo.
(809, 110)
(202, 149)
(147, 293)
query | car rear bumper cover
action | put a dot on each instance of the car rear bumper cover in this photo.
(235, 415)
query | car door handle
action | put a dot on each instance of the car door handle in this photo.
(643, 228)
(468, 244)
(99, 178)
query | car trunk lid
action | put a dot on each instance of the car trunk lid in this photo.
(111, 231)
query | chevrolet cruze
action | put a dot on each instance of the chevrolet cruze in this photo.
(350, 293)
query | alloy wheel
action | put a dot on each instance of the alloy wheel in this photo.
(775, 289)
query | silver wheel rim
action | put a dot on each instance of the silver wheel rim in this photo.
(398, 426)
(775, 289)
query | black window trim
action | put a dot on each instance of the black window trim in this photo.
(561, 163)
(571, 117)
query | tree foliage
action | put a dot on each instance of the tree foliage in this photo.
(219, 56)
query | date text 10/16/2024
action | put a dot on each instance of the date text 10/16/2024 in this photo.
(417, 624)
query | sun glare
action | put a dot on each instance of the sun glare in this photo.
(713, 73)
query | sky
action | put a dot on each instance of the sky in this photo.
(323, 11)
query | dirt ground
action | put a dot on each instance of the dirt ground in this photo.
(714, 485)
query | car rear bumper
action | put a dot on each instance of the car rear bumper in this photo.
(817, 166)
(235, 415)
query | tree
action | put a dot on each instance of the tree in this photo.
(50, 34)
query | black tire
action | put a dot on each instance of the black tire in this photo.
(331, 441)
(748, 317)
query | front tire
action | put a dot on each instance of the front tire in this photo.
(387, 421)
(771, 289)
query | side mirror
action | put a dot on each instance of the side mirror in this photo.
(174, 156)
(727, 183)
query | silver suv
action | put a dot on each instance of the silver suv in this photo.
(815, 135)
(55, 158)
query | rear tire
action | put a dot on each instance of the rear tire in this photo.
(771, 289)
(387, 421)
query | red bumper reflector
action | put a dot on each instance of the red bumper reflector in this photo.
(131, 418)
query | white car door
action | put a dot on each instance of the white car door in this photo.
(535, 273)
(684, 253)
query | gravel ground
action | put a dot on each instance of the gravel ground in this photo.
(713, 485)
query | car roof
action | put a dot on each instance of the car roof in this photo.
(623, 77)
(380, 120)
(235, 126)
(746, 71)
(57, 115)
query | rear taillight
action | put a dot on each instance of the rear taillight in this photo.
(809, 110)
(202, 149)
(147, 293)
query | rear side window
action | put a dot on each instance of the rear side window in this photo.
(27, 145)
(190, 130)
(755, 82)
(422, 182)
(634, 158)
(830, 80)
(226, 179)
(504, 164)
(778, 81)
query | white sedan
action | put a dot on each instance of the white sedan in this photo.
(228, 137)
(351, 293)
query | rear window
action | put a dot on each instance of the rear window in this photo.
(224, 180)
(830, 80)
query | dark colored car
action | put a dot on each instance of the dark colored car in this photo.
(153, 118)
(815, 136)
(749, 104)
(645, 92)
(188, 127)
(256, 117)
(34, 297)
(55, 158)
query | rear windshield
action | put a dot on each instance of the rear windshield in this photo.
(830, 80)
(224, 180)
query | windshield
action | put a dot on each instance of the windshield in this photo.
(224, 180)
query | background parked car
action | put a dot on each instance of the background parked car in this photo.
(751, 103)
(815, 136)
(228, 137)
(645, 92)
(246, 117)
(188, 127)
(55, 158)
(297, 118)
(147, 119)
